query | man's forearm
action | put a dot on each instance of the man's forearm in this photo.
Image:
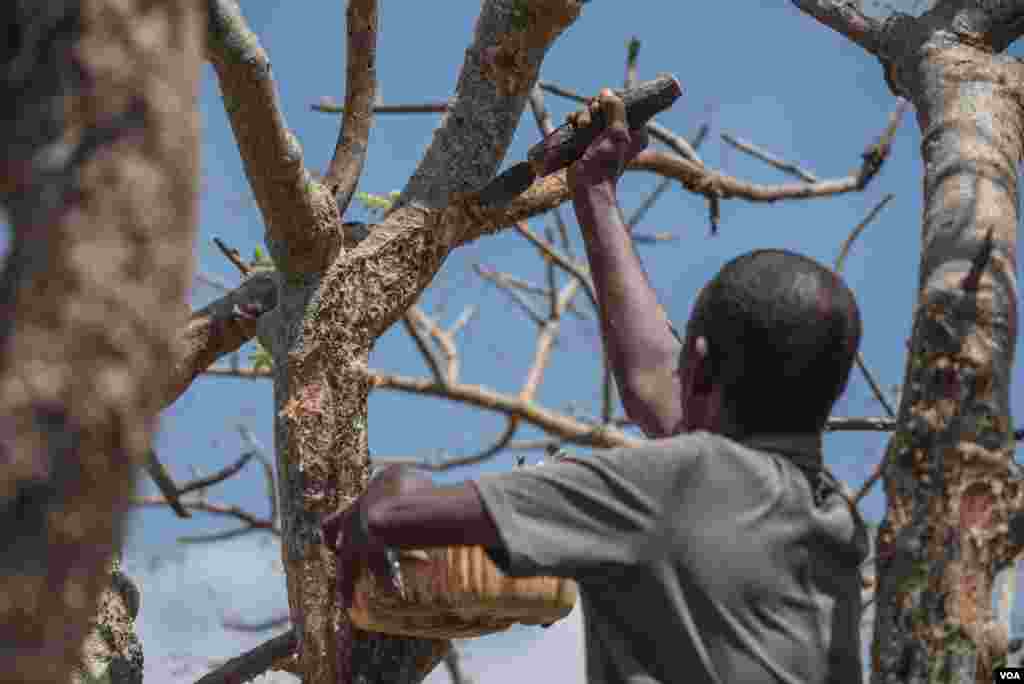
(438, 516)
(642, 351)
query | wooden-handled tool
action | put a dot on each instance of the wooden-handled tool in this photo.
(567, 144)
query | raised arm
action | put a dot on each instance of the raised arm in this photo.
(640, 345)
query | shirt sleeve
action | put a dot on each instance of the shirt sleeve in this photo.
(579, 515)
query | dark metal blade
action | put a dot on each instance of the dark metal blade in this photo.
(507, 185)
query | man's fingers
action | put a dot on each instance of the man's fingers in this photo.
(638, 141)
(613, 107)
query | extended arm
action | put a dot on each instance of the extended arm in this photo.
(433, 516)
(641, 348)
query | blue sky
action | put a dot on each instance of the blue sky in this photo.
(760, 71)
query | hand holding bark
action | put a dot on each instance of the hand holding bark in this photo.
(348, 534)
(606, 157)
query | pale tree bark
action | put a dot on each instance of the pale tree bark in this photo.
(951, 482)
(99, 178)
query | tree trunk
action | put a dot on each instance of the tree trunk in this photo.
(950, 479)
(99, 178)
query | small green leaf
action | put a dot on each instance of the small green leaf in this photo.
(261, 359)
(376, 202)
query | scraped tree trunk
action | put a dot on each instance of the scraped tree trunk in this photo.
(951, 483)
(336, 298)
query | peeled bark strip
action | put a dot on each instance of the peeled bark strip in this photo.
(951, 481)
(101, 194)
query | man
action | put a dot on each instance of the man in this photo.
(725, 554)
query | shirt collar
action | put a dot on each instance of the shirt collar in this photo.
(803, 449)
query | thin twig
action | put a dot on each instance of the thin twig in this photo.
(516, 296)
(648, 202)
(408, 321)
(877, 153)
(653, 238)
(444, 340)
(438, 466)
(858, 229)
(254, 662)
(540, 111)
(465, 317)
(328, 106)
(360, 95)
(507, 280)
(219, 476)
(714, 185)
(252, 521)
(769, 158)
(552, 273)
(452, 661)
(165, 483)
(233, 255)
(552, 422)
(268, 469)
(546, 341)
(570, 265)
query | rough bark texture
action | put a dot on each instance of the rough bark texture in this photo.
(951, 482)
(111, 650)
(221, 328)
(303, 233)
(101, 192)
(950, 478)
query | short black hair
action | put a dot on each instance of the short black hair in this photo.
(782, 333)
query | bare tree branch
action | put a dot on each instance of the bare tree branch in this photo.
(224, 473)
(360, 95)
(846, 19)
(233, 255)
(165, 483)
(506, 280)
(423, 345)
(268, 469)
(574, 269)
(648, 202)
(252, 522)
(300, 214)
(566, 428)
(327, 106)
(453, 662)
(857, 230)
(770, 159)
(220, 328)
(253, 663)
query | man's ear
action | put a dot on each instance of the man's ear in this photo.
(703, 379)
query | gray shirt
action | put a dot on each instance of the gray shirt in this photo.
(698, 559)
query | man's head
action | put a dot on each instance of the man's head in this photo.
(769, 346)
